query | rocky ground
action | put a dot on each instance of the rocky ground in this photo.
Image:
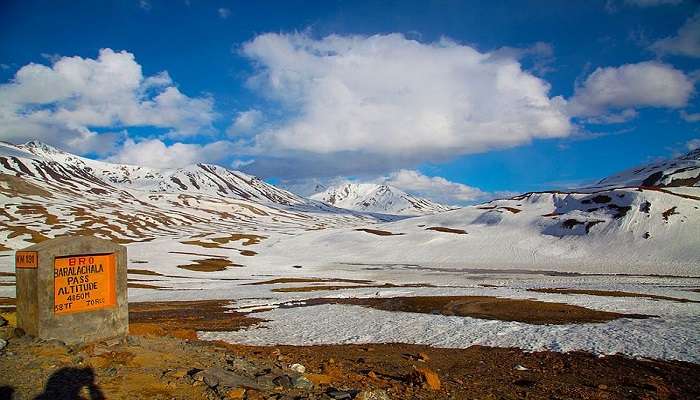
(151, 363)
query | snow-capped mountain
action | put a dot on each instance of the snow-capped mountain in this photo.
(643, 221)
(677, 172)
(194, 179)
(646, 220)
(46, 192)
(376, 198)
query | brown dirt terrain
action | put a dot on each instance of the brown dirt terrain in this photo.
(484, 307)
(138, 285)
(610, 293)
(446, 230)
(156, 367)
(378, 232)
(184, 318)
(210, 265)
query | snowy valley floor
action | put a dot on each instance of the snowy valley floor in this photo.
(286, 298)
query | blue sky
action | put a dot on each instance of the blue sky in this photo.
(496, 97)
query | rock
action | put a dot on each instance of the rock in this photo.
(298, 368)
(267, 381)
(283, 380)
(302, 383)
(339, 394)
(3, 321)
(242, 365)
(238, 393)
(374, 394)
(3, 343)
(216, 376)
(424, 377)
(520, 368)
(319, 379)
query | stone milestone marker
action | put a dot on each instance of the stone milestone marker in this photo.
(72, 289)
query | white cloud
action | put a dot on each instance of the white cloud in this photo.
(145, 5)
(434, 187)
(685, 43)
(156, 154)
(224, 13)
(693, 144)
(237, 164)
(614, 118)
(690, 117)
(245, 122)
(62, 103)
(630, 86)
(398, 98)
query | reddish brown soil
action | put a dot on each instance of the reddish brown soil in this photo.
(185, 317)
(210, 265)
(378, 232)
(489, 373)
(153, 366)
(610, 293)
(446, 230)
(484, 307)
(137, 285)
(143, 272)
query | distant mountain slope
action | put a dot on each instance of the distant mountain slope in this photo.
(45, 192)
(201, 178)
(644, 221)
(376, 198)
(677, 172)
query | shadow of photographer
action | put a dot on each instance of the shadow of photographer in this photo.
(68, 384)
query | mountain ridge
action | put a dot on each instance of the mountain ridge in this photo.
(378, 198)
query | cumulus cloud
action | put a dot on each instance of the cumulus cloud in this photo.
(685, 43)
(62, 104)
(169, 156)
(355, 94)
(630, 86)
(433, 187)
(245, 122)
(224, 13)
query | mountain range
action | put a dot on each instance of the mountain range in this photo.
(644, 220)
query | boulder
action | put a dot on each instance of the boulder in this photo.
(216, 376)
(298, 368)
(302, 383)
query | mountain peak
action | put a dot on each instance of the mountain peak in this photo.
(377, 198)
(36, 146)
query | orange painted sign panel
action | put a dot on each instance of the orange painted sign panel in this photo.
(84, 283)
(26, 259)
